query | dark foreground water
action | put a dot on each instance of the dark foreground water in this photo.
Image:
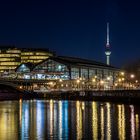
(52, 119)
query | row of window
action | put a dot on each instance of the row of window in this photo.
(7, 67)
(33, 57)
(32, 61)
(9, 55)
(13, 51)
(7, 59)
(9, 63)
(42, 53)
(61, 70)
(35, 53)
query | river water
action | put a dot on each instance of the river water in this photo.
(60, 119)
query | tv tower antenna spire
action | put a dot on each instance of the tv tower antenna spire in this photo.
(108, 52)
(107, 34)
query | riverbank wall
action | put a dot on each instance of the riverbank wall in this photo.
(110, 95)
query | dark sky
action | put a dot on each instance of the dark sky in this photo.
(74, 28)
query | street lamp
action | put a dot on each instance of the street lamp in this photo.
(108, 83)
(78, 81)
(93, 80)
(101, 83)
(108, 78)
(122, 73)
(119, 79)
(132, 76)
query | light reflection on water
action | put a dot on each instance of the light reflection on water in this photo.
(121, 122)
(94, 121)
(108, 111)
(102, 123)
(52, 119)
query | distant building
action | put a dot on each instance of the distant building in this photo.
(73, 68)
(70, 68)
(11, 57)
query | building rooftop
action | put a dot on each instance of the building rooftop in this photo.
(80, 62)
(7, 47)
(28, 64)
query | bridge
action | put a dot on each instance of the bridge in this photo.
(10, 89)
(25, 89)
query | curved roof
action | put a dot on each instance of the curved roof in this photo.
(78, 62)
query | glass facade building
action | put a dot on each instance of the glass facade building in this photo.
(72, 69)
(68, 73)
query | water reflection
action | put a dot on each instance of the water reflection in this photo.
(94, 121)
(102, 123)
(137, 126)
(78, 120)
(51, 119)
(121, 122)
(132, 121)
(51, 112)
(108, 106)
(8, 121)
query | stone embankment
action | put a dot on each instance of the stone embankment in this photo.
(102, 95)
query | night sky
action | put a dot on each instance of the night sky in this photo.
(73, 28)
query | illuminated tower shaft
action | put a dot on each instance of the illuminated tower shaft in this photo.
(107, 52)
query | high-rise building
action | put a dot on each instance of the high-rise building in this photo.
(108, 51)
(11, 57)
(34, 55)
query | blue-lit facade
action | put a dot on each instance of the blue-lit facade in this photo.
(52, 70)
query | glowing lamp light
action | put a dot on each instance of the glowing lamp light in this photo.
(93, 80)
(122, 73)
(80, 78)
(51, 83)
(95, 76)
(83, 83)
(59, 67)
(116, 84)
(132, 76)
(102, 82)
(123, 79)
(78, 81)
(120, 80)
(108, 78)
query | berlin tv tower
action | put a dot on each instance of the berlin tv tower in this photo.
(107, 51)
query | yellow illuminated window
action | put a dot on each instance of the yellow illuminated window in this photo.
(13, 51)
(27, 53)
(9, 55)
(6, 67)
(41, 53)
(24, 57)
(9, 63)
(7, 59)
(38, 57)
